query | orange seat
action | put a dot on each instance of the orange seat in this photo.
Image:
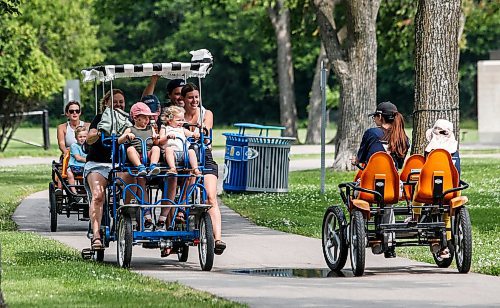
(65, 163)
(360, 171)
(438, 175)
(413, 163)
(380, 175)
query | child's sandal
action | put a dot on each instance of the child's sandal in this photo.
(172, 171)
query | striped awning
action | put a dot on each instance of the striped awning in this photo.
(200, 65)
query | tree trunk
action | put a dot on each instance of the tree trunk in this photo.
(355, 65)
(313, 135)
(280, 18)
(437, 26)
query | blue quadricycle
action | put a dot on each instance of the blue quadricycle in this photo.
(123, 221)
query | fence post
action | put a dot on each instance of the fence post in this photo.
(45, 128)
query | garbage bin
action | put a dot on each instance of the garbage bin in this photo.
(269, 167)
(238, 154)
(235, 162)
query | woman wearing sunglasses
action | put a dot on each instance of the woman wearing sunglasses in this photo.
(66, 131)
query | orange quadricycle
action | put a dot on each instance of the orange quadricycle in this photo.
(384, 210)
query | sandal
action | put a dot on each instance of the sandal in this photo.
(444, 253)
(180, 218)
(219, 247)
(96, 244)
(172, 171)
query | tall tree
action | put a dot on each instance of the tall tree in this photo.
(355, 65)
(47, 42)
(280, 19)
(437, 26)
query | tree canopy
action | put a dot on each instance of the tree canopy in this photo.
(43, 44)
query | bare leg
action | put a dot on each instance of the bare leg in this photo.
(171, 190)
(155, 154)
(97, 184)
(71, 180)
(210, 182)
(193, 161)
(170, 158)
(133, 156)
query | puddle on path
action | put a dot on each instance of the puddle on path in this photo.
(294, 272)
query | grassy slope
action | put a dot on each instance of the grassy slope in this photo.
(301, 210)
(38, 272)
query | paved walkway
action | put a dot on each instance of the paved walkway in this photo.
(387, 283)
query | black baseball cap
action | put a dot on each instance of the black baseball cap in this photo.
(152, 101)
(175, 83)
(385, 108)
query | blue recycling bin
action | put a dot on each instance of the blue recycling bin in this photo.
(238, 153)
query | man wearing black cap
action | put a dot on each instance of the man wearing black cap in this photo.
(173, 91)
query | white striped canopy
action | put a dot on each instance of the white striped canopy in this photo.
(200, 65)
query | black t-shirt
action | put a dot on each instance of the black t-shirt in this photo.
(372, 143)
(97, 152)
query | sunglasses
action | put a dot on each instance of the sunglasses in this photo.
(77, 111)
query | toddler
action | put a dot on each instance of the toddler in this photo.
(141, 131)
(172, 138)
(77, 157)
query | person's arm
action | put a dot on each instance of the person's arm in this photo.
(75, 152)
(208, 119)
(93, 134)
(150, 88)
(127, 135)
(364, 148)
(189, 133)
(61, 134)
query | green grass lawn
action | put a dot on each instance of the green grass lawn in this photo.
(301, 210)
(34, 134)
(39, 272)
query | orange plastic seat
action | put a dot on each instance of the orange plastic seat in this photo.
(358, 174)
(438, 175)
(380, 175)
(414, 162)
(65, 163)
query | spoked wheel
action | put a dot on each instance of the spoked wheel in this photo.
(334, 238)
(124, 244)
(206, 246)
(357, 237)
(183, 253)
(463, 240)
(53, 208)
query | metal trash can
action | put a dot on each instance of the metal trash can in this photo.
(268, 169)
(238, 154)
(235, 162)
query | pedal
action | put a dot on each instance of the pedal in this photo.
(87, 253)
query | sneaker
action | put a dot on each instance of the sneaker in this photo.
(161, 225)
(153, 170)
(142, 171)
(148, 225)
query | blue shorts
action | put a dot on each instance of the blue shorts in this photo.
(77, 170)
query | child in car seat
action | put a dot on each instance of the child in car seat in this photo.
(172, 138)
(77, 156)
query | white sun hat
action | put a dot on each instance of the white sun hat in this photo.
(441, 136)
